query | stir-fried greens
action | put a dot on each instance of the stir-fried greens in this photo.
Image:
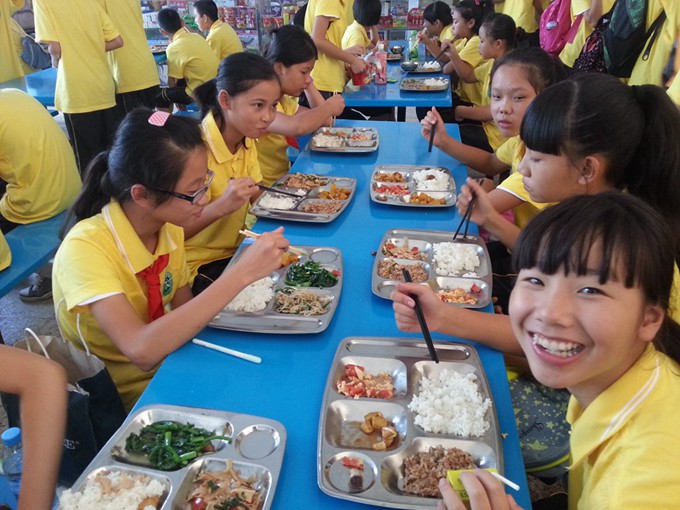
(310, 274)
(170, 445)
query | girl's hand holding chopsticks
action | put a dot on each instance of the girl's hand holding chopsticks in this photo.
(434, 310)
(433, 121)
(483, 212)
(263, 257)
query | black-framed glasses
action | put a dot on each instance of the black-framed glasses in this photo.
(194, 198)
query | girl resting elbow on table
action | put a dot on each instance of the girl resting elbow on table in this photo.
(237, 107)
(590, 312)
(121, 281)
(293, 55)
(571, 154)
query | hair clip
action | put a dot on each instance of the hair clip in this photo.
(159, 118)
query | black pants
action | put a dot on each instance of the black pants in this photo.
(6, 225)
(170, 95)
(504, 277)
(475, 136)
(207, 274)
(91, 133)
(128, 101)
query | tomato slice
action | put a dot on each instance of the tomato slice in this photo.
(198, 504)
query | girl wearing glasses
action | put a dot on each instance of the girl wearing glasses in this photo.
(120, 279)
(237, 107)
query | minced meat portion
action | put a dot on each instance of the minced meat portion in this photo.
(423, 470)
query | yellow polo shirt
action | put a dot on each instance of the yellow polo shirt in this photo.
(674, 90)
(355, 35)
(446, 34)
(271, 148)
(223, 40)
(101, 257)
(651, 70)
(5, 253)
(84, 81)
(483, 75)
(468, 49)
(190, 57)
(10, 63)
(221, 239)
(132, 66)
(572, 50)
(625, 444)
(522, 11)
(328, 73)
(17, 33)
(36, 161)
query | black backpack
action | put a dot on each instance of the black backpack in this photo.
(625, 36)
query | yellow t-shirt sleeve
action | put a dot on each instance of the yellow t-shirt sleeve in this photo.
(5, 253)
(44, 22)
(330, 8)
(353, 37)
(470, 52)
(110, 32)
(175, 64)
(515, 187)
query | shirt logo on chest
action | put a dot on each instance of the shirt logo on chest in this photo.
(167, 283)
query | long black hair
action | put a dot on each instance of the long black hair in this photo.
(501, 27)
(636, 129)
(236, 74)
(438, 11)
(633, 240)
(291, 45)
(541, 70)
(472, 10)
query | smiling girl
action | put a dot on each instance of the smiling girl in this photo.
(238, 107)
(590, 313)
(120, 278)
(293, 55)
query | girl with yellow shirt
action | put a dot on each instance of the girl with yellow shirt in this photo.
(238, 107)
(363, 33)
(121, 282)
(437, 27)
(496, 38)
(590, 314)
(293, 54)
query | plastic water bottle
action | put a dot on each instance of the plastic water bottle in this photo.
(12, 462)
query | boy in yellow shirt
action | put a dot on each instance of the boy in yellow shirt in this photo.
(191, 61)
(221, 37)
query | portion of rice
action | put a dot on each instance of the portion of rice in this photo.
(431, 180)
(435, 82)
(327, 141)
(452, 258)
(113, 490)
(451, 404)
(273, 201)
(254, 297)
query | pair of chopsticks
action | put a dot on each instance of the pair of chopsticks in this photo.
(421, 320)
(255, 235)
(226, 350)
(274, 190)
(432, 130)
(465, 219)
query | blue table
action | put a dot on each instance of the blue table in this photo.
(40, 85)
(288, 386)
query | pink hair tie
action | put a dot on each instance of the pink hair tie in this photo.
(159, 118)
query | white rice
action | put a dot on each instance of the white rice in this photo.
(435, 82)
(254, 297)
(327, 141)
(424, 180)
(452, 258)
(272, 201)
(126, 492)
(451, 404)
(429, 65)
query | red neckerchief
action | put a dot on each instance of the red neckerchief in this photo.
(151, 276)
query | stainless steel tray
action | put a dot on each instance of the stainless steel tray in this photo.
(418, 85)
(424, 241)
(370, 139)
(407, 360)
(257, 448)
(424, 70)
(271, 321)
(409, 184)
(306, 196)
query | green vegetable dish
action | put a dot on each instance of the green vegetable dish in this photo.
(171, 445)
(311, 274)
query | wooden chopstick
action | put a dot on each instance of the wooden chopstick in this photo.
(421, 320)
(255, 235)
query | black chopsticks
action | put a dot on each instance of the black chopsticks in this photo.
(274, 190)
(465, 220)
(429, 147)
(421, 320)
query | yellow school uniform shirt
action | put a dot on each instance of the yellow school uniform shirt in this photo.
(522, 11)
(511, 153)
(132, 66)
(271, 148)
(190, 57)
(99, 258)
(5, 253)
(674, 90)
(468, 49)
(36, 161)
(651, 70)
(84, 81)
(328, 73)
(355, 35)
(625, 445)
(483, 75)
(223, 40)
(572, 50)
(10, 63)
(17, 33)
(221, 239)
(446, 34)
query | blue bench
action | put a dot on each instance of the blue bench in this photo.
(32, 246)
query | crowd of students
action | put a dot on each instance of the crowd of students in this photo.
(585, 209)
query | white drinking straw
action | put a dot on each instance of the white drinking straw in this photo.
(226, 350)
(507, 482)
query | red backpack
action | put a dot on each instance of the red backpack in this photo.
(556, 28)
